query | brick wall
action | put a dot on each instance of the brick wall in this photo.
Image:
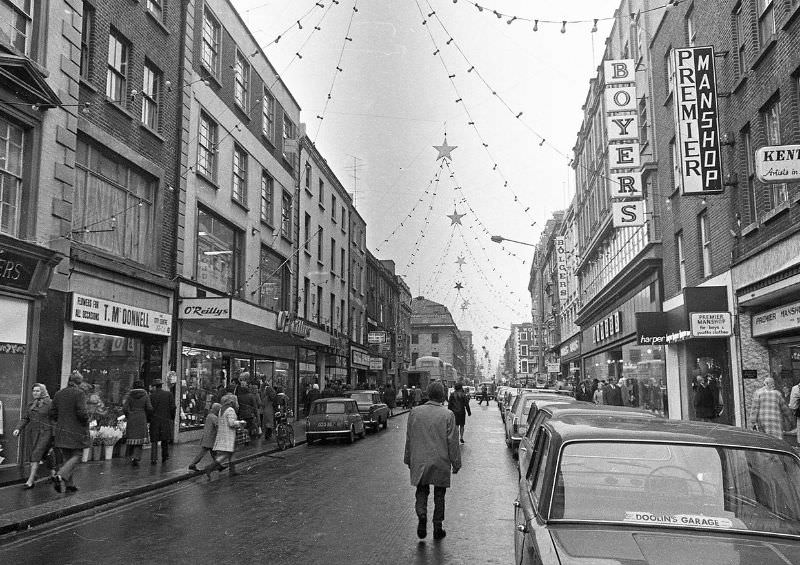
(158, 42)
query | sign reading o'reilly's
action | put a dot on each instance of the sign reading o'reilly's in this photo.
(101, 312)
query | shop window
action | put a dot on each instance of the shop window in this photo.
(218, 253)
(114, 205)
(709, 387)
(204, 377)
(109, 365)
(12, 143)
(273, 280)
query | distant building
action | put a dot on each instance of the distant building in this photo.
(435, 333)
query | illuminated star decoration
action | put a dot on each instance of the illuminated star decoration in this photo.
(465, 305)
(460, 262)
(444, 150)
(455, 217)
(458, 286)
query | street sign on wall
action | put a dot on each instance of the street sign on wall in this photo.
(376, 337)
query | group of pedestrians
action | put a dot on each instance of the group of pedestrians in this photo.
(154, 410)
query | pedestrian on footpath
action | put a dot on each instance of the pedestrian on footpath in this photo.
(418, 396)
(458, 403)
(38, 432)
(794, 406)
(225, 441)
(162, 422)
(268, 396)
(209, 436)
(768, 409)
(390, 398)
(431, 451)
(484, 396)
(68, 411)
(599, 393)
(138, 410)
(404, 392)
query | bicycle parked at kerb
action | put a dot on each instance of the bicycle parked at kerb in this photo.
(284, 432)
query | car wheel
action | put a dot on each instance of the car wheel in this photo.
(352, 437)
(508, 443)
(309, 440)
(386, 423)
(363, 433)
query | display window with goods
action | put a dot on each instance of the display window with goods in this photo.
(708, 386)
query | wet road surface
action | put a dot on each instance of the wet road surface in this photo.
(330, 503)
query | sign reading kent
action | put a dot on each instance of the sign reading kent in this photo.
(778, 163)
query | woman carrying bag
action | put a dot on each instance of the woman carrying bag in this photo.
(39, 437)
(137, 409)
(225, 442)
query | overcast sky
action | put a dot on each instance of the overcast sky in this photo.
(394, 100)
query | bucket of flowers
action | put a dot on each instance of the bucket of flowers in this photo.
(109, 436)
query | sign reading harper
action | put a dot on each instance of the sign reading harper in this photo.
(696, 120)
(100, 312)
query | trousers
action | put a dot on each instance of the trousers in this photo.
(421, 505)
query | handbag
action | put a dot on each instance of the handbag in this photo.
(242, 436)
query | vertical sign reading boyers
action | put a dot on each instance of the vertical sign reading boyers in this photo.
(696, 120)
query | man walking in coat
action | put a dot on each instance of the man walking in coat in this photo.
(162, 421)
(68, 410)
(431, 450)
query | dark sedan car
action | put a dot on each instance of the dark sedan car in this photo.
(373, 410)
(613, 490)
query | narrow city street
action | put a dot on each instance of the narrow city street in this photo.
(329, 503)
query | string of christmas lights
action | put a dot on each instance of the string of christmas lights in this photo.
(426, 222)
(298, 24)
(339, 69)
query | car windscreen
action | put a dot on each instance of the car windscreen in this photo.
(328, 408)
(682, 485)
(362, 396)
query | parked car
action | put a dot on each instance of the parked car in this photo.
(334, 417)
(543, 410)
(373, 410)
(517, 418)
(626, 489)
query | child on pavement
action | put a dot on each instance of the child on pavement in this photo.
(209, 435)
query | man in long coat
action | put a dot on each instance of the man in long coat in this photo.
(431, 450)
(162, 421)
(68, 410)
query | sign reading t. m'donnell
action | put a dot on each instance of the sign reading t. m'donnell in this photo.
(696, 120)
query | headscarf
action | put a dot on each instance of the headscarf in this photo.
(215, 408)
(227, 400)
(45, 397)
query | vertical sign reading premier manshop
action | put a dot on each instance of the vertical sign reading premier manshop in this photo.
(696, 120)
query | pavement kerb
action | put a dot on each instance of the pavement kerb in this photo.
(24, 524)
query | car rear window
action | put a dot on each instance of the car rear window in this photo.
(328, 408)
(682, 485)
(362, 396)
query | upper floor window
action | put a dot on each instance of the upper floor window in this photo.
(669, 65)
(12, 142)
(241, 80)
(434, 337)
(286, 215)
(289, 134)
(273, 280)
(705, 243)
(151, 94)
(523, 350)
(117, 74)
(87, 37)
(156, 7)
(308, 176)
(16, 20)
(268, 115)
(676, 165)
(691, 31)
(681, 259)
(219, 252)
(740, 40)
(321, 188)
(116, 201)
(414, 339)
(239, 189)
(267, 192)
(523, 336)
(779, 192)
(750, 172)
(344, 219)
(207, 147)
(209, 51)
(333, 207)
(320, 243)
(766, 21)
(333, 256)
(307, 232)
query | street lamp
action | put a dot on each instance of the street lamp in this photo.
(501, 239)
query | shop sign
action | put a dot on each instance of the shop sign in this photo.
(626, 185)
(16, 270)
(360, 358)
(12, 348)
(376, 363)
(677, 337)
(99, 312)
(561, 268)
(710, 324)
(778, 163)
(376, 337)
(205, 309)
(288, 323)
(628, 214)
(776, 320)
(571, 347)
(749, 373)
(554, 367)
(696, 121)
(609, 327)
(651, 328)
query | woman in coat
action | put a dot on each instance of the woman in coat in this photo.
(39, 437)
(209, 435)
(268, 396)
(225, 442)
(137, 409)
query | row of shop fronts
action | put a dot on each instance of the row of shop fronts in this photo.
(728, 335)
(115, 330)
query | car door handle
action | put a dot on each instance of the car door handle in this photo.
(516, 503)
(522, 528)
